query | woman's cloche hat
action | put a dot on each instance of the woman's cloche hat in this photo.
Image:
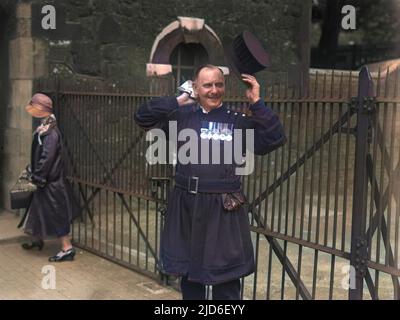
(40, 106)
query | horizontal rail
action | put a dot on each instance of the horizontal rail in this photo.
(304, 243)
(108, 188)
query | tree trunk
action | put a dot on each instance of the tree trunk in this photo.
(328, 42)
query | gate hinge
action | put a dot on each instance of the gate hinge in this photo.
(368, 105)
(361, 256)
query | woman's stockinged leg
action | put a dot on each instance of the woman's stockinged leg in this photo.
(67, 252)
(65, 243)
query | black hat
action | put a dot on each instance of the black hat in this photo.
(246, 54)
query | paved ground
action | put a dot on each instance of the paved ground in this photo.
(28, 275)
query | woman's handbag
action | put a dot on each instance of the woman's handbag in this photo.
(21, 193)
(233, 201)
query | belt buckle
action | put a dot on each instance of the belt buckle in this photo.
(196, 179)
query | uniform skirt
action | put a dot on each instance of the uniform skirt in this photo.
(203, 241)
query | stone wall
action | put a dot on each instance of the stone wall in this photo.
(113, 39)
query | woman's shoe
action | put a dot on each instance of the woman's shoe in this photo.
(63, 256)
(33, 244)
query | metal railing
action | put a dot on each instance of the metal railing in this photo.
(323, 209)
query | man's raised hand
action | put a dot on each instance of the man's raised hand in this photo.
(253, 91)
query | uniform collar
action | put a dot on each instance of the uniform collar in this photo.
(206, 112)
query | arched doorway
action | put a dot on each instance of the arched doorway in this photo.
(185, 58)
(182, 46)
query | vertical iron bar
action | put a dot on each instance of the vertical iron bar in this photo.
(381, 205)
(268, 296)
(86, 219)
(390, 185)
(373, 204)
(358, 241)
(138, 235)
(288, 180)
(93, 220)
(281, 187)
(314, 282)
(311, 203)
(345, 186)
(283, 269)
(296, 179)
(114, 224)
(80, 221)
(100, 206)
(320, 175)
(256, 266)
(396, 224)
(122, 230)
(130, 232)
(300, 255)
(337, 181)
(328, 180)
(304, 183)
(332, 277)
(147, 232)
(107, 224)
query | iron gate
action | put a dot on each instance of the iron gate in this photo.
(323, 210)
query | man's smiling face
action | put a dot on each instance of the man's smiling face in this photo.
(210, 88)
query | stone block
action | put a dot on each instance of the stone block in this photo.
(5, 195)
(12, 168)
(86, 58)
(21, 58)
(23, 10)
(10, 177)
(40, 67)
(21, 93)
(13, 117)
(108, 51)
(123, 53)
(109, 30)
(23, 28)
(25, 146)
(12, 142)
(12, 165)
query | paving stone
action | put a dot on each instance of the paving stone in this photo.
(87, 277)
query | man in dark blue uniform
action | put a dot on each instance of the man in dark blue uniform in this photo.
(204, 242)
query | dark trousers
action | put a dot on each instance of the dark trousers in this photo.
(223, 291)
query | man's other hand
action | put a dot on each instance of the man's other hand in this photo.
(253, 91)
(185, 99)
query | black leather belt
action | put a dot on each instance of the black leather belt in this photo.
(195, 184)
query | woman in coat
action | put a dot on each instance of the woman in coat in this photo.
(52, 208)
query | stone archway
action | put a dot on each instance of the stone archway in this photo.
(185, 30)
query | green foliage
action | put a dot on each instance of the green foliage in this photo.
(378, 21)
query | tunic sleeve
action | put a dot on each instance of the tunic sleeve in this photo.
(46, 159)
(268, 130)
(156, 112)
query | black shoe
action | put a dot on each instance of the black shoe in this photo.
(33, 244)
(63, 256)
